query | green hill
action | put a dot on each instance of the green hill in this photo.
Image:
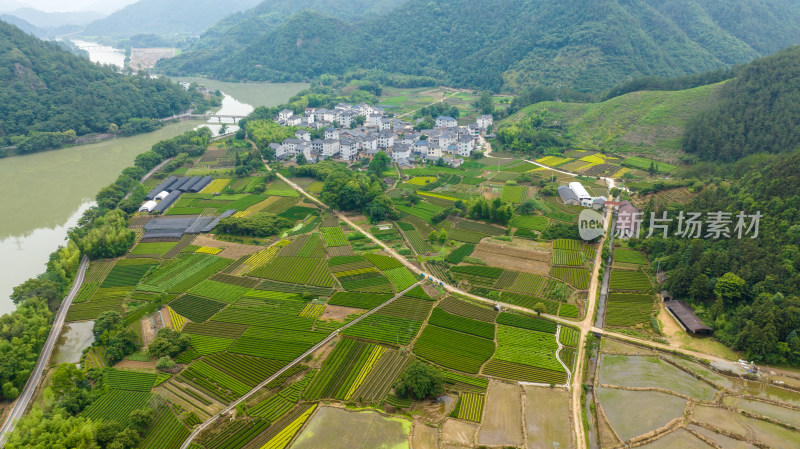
(588, 45)
(165, 17)
(49, 96)
(238, 30)
(640, 122)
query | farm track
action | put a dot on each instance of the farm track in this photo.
(299, 359)
(44, 358)
(585, 326)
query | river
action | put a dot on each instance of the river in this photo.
(102, 54)
(44, 194)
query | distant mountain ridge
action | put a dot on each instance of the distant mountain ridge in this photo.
(508, 44)
(165, 17)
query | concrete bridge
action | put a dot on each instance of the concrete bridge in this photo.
(210, 117)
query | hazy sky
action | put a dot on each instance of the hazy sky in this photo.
(106, 6)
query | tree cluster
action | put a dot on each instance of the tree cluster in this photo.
(259, 224)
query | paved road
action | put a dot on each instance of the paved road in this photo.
(263, 384)
(44, 358)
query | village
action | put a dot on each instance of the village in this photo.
(359, 131)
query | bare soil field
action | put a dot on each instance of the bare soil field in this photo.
(338, 313)
(230, 250)
(425, 437)
(458, 432)
(547, 418)
(146, 58)
(136, 365)
(502, 422)
(338, 428)
(513, 257)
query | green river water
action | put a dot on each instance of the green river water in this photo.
(44, 194)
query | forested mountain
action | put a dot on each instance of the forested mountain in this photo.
(24, 25)
(165, 17)
(238, 30)
(48, 95)
(748, 288)
(759, 111)
(586, 44)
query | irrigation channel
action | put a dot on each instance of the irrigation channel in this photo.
(299, 359)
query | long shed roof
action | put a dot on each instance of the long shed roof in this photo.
(685, 315)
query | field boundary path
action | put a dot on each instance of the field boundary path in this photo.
(558, 357)
(299, 359)
(44, 357)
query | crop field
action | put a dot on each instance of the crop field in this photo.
(166, 431)
(216, 186)
(358, 300)
(218, 290)
(282, 433)
(519, 167)
(344, 370)
(99, 270)
(624, 255)
(295, 270)
(103, 300)
(530, 284)
(454, 350)
(569, 336)
(158, 249)
(567, 244)
(176, 320)
(380, 379)
(467, 310)
(95, 358)
(401, 278)
(205, 344)
(86, 291)
(567, 257)
(458, 254)
(458, 323)
(527, 322)
(249, 370)
(183, 273)
(130, 380)
(569, 311)
(397, 323)
(262, 257)
(200, 369)
(419, 244)
(196, 308)
(532, 222)
(577, 277)
(383, 262)
(216, 329)
(482, 228)
(334, 236)
(629, 280)
(117, 405)
(514, 194)
(126, 275)
(644, 164)
(470, 407)
(422, 210)
(506, 279)
(367, 282)
(276, 343)
(527, 347)
(553, 161)
(525, 373)
(628, 309)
